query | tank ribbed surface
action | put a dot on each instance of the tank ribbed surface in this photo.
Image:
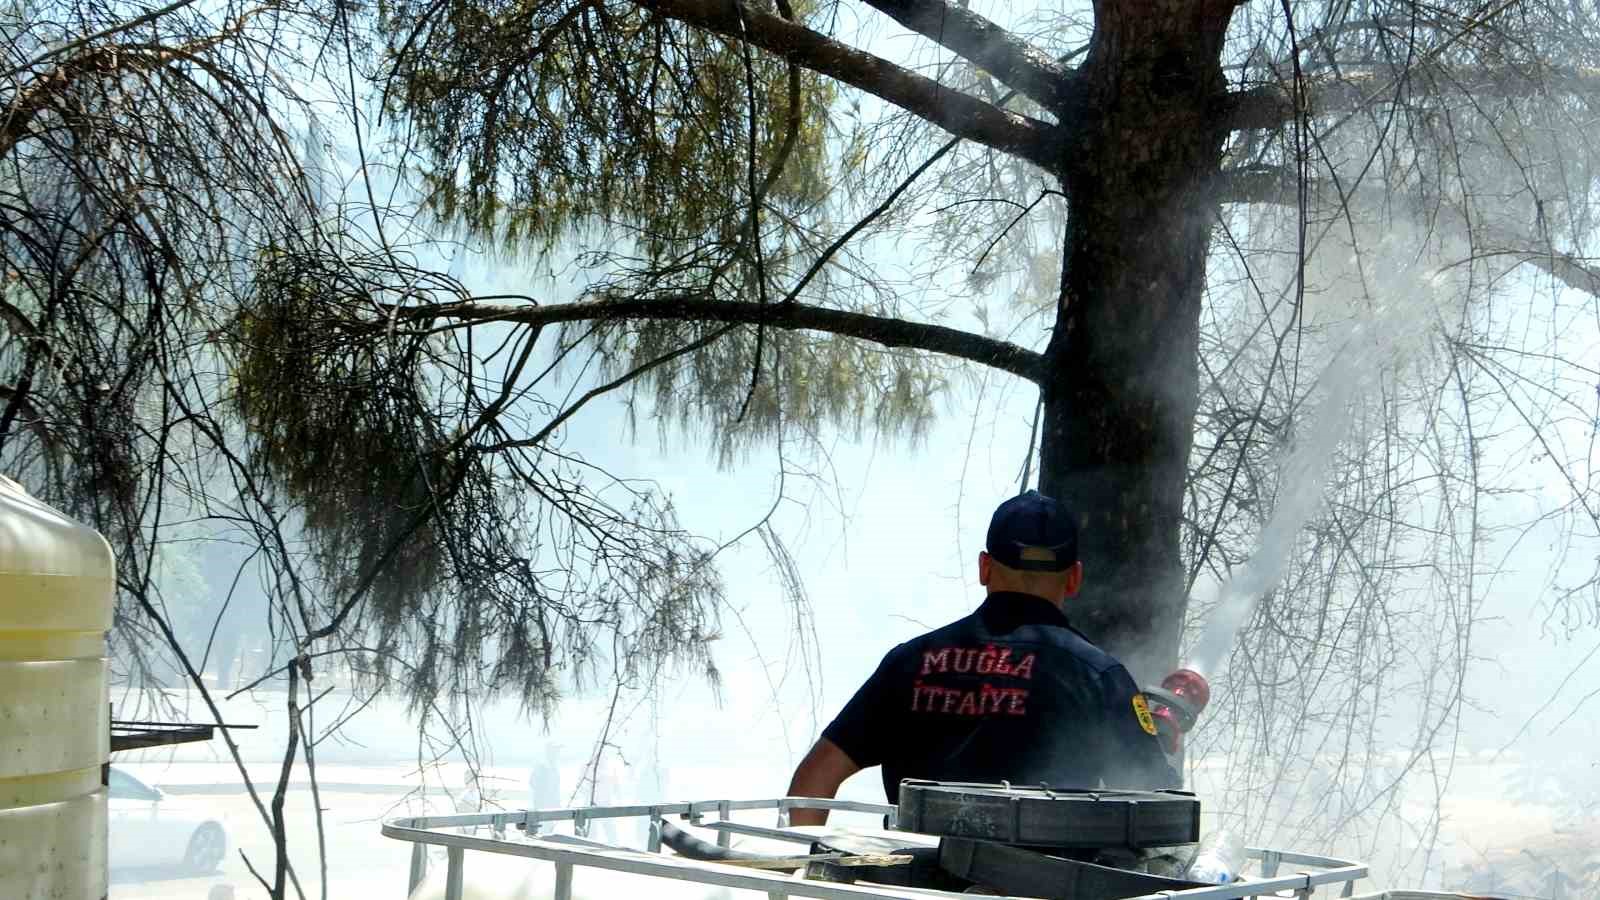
(56, 592)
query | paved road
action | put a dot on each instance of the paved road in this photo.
(362, 863)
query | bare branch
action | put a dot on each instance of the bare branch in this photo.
(884, 330)
(1271, 185)
(954, 111)
(106, 61)
(1272, 105)
(974, 38)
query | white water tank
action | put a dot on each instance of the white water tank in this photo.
(56, 592)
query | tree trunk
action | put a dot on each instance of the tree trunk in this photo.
(1120, 392)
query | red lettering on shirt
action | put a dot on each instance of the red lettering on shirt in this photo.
(988, 660)
(1016, 706)
(1024, 669)
(993, 697)
(988, 700)
(1002, 666)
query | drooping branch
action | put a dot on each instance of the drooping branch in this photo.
(107, 61)
(884, 330)
(26, 105)
(974, 38)
(956, 112)
(1271, 185)
(1271, 106)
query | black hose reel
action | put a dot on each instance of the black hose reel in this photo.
(1057, 844)
(1043, 817)
(1022, 841)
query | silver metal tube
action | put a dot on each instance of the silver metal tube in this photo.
(775, 834)
(419, 867)
(1409, 895)
(563, 889)
(453, 873)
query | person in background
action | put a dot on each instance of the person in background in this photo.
(1011, 692)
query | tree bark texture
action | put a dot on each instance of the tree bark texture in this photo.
(1121, 384)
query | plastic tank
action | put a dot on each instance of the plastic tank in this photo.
(56, 591)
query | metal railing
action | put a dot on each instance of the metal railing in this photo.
(1418, 895)
(568, 853)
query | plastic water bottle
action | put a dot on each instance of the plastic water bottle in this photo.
(1219, 859)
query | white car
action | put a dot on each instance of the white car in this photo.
(150, 829)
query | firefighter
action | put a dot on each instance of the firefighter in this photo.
(1011, 692)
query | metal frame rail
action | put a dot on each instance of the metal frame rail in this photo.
(132, 735)
(568, 853)
(1419, 895)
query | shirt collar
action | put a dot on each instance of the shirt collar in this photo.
(1008, 608)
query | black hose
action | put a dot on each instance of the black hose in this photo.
(687, 845)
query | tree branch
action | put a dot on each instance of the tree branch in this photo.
(1268, 185)
(106, 61)
(888, 332)
(956, 112)
(18, 401)
(1272, 105)
(974, 38)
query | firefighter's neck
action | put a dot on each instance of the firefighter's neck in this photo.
(1053, 587)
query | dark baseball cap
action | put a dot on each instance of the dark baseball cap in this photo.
(1033, 533)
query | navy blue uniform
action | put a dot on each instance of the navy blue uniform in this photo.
(1010, 693)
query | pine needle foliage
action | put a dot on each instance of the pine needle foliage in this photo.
(704, 167)
(804, 380)
(342, 424)
(445, 566)
(540, 116)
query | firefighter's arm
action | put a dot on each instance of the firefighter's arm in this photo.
(1134, 758)
(819, 775)
(854, 740)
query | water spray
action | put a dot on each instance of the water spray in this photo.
(1383, 335)
(1182, 696)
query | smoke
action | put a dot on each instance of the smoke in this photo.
(1381, 336)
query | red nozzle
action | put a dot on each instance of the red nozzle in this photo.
(1176, 706)
(1191, 686)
